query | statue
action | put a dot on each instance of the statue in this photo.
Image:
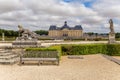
(111, 26)
(25, 34)
(111, 33)
(26, 38)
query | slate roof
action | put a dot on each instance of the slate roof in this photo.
(77, 27)
(53, 27)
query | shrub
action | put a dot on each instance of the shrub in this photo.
(97, 39)
(83, 49)
(113, 49)
(43, 52)
(40, 54)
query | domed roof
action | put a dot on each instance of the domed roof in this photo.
(65, 26)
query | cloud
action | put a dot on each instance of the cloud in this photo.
(40, 14)
(53, 7)
(92, 20)
(10, 5)
(109, 8)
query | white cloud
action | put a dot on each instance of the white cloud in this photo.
(10, 5)
(107, 8)
(92, 20)
(40, 14)
(54, 7)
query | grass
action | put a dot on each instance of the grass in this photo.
(8, 38)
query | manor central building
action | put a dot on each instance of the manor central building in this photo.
(65, 32)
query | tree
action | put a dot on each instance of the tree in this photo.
(41, 32)
(90, 33)
(9, 33)
(117, 35)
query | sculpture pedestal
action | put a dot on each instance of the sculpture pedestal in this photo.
(111, 38)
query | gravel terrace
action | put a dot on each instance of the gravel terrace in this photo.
(92, 67)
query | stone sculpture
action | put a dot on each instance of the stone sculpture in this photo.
(111, 26)
(26, 38)
(111, 33)
(25, 34)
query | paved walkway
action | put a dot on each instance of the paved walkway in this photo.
(48, 43)
(91, 67)
(112, 59)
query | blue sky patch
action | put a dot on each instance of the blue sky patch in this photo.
(88, 4)
(68, 1)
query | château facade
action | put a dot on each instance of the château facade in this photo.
(65, 32)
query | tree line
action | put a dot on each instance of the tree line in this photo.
(41, 32)
(12, 33)
(9, 33)
(117, 35)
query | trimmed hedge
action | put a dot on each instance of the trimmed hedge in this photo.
(84, 49)
(43, 52)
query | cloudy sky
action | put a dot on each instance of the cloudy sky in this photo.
(93, 15)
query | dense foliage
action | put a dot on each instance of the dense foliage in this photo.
(83, 49)
(9, 33)
(43, 52)
(117, 35)
(41, 32)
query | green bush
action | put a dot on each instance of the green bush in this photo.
(84, 49)
(81, 49)
(113, 49)
(43, 52)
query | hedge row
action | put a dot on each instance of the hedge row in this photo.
(40, 54)
(43, 52)
(84, 49)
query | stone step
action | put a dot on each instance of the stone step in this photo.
(1, 49)
(11, 61)
(8, 57)
(4, 51)
(6, 54)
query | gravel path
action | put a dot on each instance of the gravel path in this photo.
(92, 67)
(117, 57)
